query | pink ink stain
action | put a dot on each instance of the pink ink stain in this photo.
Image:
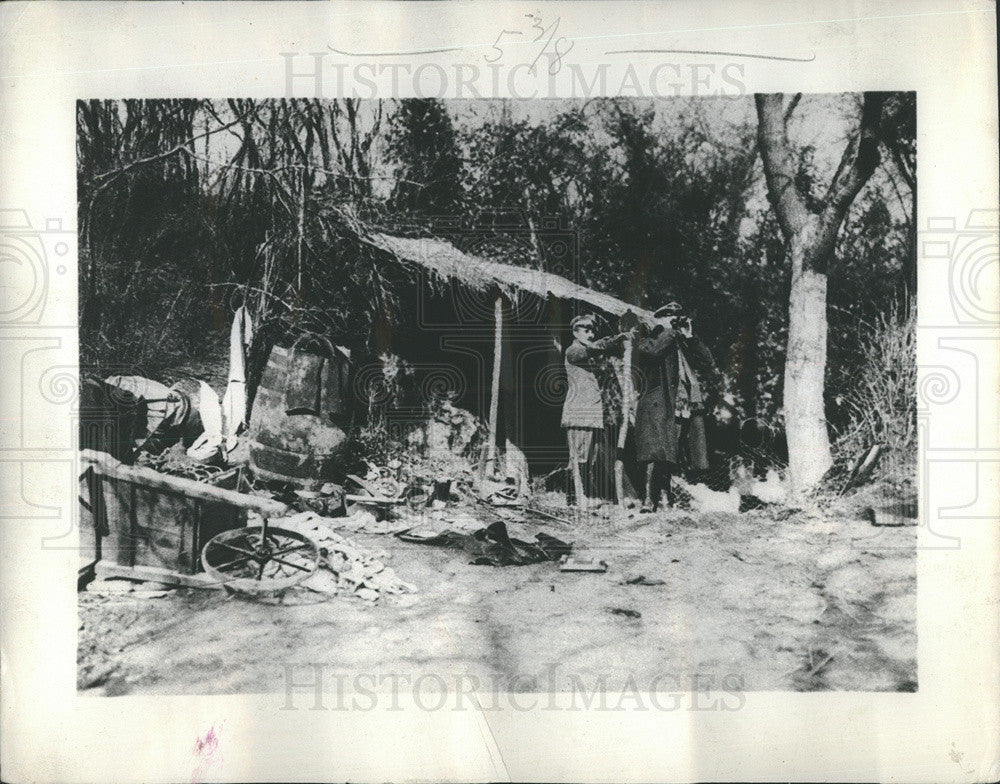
(205, 749)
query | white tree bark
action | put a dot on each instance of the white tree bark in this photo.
(809, 455)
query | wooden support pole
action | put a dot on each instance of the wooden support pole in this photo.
(491, 448)
(302, 226)
(626, 390)
(626, 387)
(515, 463)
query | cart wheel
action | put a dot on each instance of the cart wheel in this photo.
(260, 559)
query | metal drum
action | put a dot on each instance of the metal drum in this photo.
(297, 427)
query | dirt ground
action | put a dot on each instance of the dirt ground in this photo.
(780, 599)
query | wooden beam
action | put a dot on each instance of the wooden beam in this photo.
(156, 574)
(105, 465)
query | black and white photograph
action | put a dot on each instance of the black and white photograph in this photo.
(581, 390)
(614, 398)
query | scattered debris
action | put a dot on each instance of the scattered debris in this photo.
(450, 429)
(379, 494)
(461, 521)
(327, 501)
(577, 564)
(176, 462)
(493, 546)
(704, 499)
(379, 486)
(863, 469)
(365, 521)
(506, 496)
(549, 515)
(749, 503)
(643, 580)
(624, 612)
(892, 517)
(772, 490)
(346, 568)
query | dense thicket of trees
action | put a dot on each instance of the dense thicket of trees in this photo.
(187, 207)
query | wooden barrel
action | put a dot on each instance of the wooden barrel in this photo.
(297, 426)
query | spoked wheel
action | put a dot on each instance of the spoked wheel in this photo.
(260, 559)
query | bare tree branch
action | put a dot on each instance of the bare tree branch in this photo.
(860, 159)
(160, 156)
(779, 166)
(791, 107)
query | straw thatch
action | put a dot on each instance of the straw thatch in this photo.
(450, 264)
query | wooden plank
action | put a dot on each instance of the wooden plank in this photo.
(364, 484)
(373, 499)
(227, 479)
(106, 569)
(105, 465)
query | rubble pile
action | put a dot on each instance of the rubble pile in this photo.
(346, 568)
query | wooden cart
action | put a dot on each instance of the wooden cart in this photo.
(145, 525)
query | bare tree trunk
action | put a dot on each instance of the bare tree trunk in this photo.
(811, 237)
(809, 455)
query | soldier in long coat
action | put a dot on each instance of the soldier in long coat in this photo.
(675, 367)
